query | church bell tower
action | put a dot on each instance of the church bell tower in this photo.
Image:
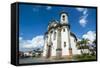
(64, 18)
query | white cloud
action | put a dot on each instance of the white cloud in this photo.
(79, 39)
(48, 7)
(91, 35)
(20, 38)
(80, 9)
(85, 11)
(35, 9)
(38, 41)
(29, 44)
(83, 19)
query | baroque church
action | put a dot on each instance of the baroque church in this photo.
(59, 41)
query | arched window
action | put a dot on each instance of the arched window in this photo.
(63, 17)
(63, 30)
(54, 35)
(64, 44)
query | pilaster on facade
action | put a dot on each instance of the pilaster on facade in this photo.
(59, 49)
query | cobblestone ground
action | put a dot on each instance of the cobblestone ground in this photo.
(40, 59)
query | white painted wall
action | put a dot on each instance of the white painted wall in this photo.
(73, 45)
(54, 42)
(64, 38)
(45, 47)
(85, 50)
(27, 54)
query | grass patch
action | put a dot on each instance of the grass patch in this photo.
(84, 57)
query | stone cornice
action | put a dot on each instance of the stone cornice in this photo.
(58, 25)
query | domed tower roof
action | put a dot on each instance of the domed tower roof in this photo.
(63, 12)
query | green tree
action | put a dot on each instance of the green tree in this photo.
(83, 45)
(94, 47)
(79, 46)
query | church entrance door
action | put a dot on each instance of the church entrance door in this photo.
(49, 52)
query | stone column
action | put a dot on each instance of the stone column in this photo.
(50, 43)
(70, 48)
(59, 49)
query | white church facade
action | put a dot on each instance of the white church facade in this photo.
(59, 41)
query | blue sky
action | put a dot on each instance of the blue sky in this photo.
(34, 19)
